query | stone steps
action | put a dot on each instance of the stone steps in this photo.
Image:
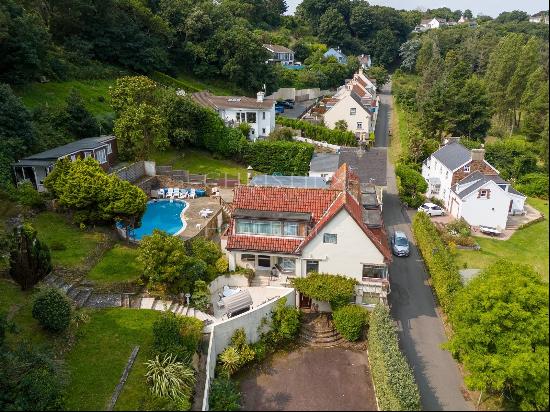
(82, 297)
(318, 330)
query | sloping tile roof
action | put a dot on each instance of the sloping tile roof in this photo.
(452, 155)
(89, 143)
(479, 180)
(323, 204)
(207, 99)
(275, 48)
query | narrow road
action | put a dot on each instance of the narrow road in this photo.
(412, 303)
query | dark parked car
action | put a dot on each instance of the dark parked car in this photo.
(286, 104)
(279, 108)
(400, 244)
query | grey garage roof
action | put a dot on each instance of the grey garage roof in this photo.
(324, 162)
(452, 155)
(371, 164)
(289, 181)
(33, 162)
(89, 143)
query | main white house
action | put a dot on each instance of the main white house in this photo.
(297, 230)
(259, 113)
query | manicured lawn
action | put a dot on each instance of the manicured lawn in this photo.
(117, 265)
(55, 93)
(219, 87)
(200, 162)
(54, 229)
(529, 245)
(99, 357)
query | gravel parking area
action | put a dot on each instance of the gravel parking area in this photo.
(329, 379)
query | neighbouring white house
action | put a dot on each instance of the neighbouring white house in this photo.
(356, 103)
(280, 54)
(337, 54)
(484, 200)
(428, 24)
(365, 61)
(469, 186)
(295, 231)
(540, 17)
(259, 113)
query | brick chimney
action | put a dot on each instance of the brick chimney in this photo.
(478, 154)
(260, 96)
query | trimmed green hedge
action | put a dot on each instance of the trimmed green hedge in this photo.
(350, 321)
(336, 289)
(440, 262)
(320, 133)
(169, 81)
(287, 158)
(396, 388)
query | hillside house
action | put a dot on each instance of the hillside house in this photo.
(540, 17)
(337, 54)
(302, 230)
(365, 61)
(279, 54)
(259, 113)
(470, 187)
(35, 168)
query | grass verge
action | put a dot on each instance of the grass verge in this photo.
(119, 264)
(99, 357)
(54, 229)
(200, 162)
(529, 245)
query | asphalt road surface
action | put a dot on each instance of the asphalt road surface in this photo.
(412, 303)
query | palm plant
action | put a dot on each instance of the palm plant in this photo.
(170, 379)
(231, 360)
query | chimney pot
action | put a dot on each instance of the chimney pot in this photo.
(478, 154)
(260, 96)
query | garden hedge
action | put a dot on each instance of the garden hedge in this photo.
(336, 289)
(52, 310)
(350, 321)
(396, 388)
(287, 158)
(441, 265)
(320, 133)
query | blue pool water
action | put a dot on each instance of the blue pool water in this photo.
(163, 215)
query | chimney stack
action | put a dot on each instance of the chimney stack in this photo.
(260, 96)
(478, 154)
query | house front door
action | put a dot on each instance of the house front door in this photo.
(305, 301)
(264, 262)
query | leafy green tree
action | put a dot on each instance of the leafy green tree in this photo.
(468, 14)
(512, 16)
(408, 53)
(535, 104)
(201, 296)
(471, 112)
(30, 259)
(411, 185)
(332, 28)
(500, 325)
(16, 133)
(81, 123)
(513, 157)
(384, 45)
(24, 42)
(139, 130)
(379, 74)
(132, 91)
(204, 249)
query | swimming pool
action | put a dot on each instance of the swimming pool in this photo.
(161, 214)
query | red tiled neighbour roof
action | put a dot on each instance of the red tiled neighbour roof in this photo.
(264, 243)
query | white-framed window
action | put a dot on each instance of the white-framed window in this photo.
(263, 115)
(374, 271)
(359, 125)
(259, 227)
(100, 156)
(247, 257)
(467, 169)
(87, 154)
(263, 130)
(483, 193)
(290, 229)
(287, 263)
(251, 117)
(330, 238)
(109, 149)
(312, 266)
(73, 158)
(370, 298)
(352, 111)
(241, 117)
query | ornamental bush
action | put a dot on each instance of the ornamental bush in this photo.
(439, 260)
(396, 388)
(350, 321)
(222, 264)
(279, 156)
(320, 133)
(224, 395)
(285, 324)
(336, 289)
(52, 310)
(204, 249)
(176, 335)
(411, 185)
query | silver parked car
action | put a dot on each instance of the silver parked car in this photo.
(431, 209)
(400, 244)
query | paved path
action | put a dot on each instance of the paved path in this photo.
(412, 303)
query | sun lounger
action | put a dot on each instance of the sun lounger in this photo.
(183, 194)
(170, 192)
(192, 194)
(161, 193)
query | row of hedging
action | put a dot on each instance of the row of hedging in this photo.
(320, 133)
(396, 388)
(287, 158)
(439, 260)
